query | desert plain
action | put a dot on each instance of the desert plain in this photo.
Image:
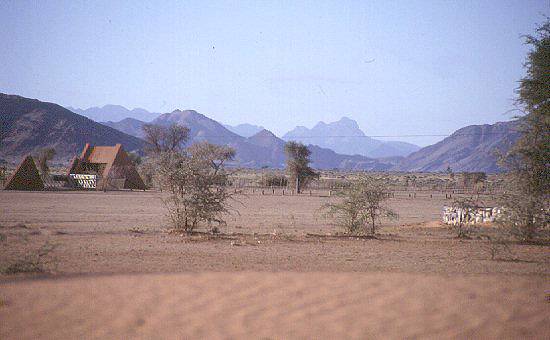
(109, 266)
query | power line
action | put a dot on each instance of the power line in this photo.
(388, 136)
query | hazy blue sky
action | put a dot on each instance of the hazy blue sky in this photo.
(397, 67)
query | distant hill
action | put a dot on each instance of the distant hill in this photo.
(29, 124)
(345, 137)
(272, 143)
(130, 126)
(203, 128)
(245, 130)
(468, 149)
(261, 149)
(471, 148)
(114, 113)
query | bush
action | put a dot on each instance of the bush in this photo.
(524, 216)
(497, 248)
(467, 207)
(196, 185)
(273, 180)
(362, 205)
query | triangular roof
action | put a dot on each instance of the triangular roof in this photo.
(26, 177)
(117, 164)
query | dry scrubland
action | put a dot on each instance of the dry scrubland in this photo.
(279, 269)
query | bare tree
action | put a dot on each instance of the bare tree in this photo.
(362, 205)
(297, 164)
(466, 208)
(163, 142)
(170, 138)
(196, 185)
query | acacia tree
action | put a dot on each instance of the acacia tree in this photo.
(163, 142)
(161, 139)
(195, 181)
(525, 203)
(194, 178)
(362, 206)
(297, 164)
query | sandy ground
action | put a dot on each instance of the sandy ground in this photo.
(275, 306)
(279, 270)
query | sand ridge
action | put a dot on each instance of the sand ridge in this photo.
(276, 305)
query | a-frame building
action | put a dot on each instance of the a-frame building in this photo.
(111, 165)
(26, 177)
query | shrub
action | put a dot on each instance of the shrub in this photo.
(467, 207)
(196, 185)
(362, 205)
(273, 180)
(497, 248)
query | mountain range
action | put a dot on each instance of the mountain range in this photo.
(114, 113)
(472, 148)
(258, 150)
(245, 130)
(345, 137)
(28, 124)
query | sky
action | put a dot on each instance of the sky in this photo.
(396, 67)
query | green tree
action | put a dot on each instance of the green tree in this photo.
(525, 203)
(297, 164)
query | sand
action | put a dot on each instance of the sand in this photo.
(278, 271)
(276, 305)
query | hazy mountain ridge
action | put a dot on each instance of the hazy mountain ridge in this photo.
(29, 124)
(345, 137)
(471, 148)
(114, 113)
(461, 150)
(261, 149)
(131, 126)
(245, 130)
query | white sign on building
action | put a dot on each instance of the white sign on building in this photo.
(85, 181)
